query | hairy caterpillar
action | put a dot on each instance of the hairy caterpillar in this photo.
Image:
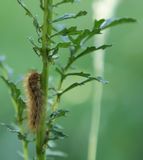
(34, 99)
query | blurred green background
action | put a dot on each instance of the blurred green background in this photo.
(121, 127)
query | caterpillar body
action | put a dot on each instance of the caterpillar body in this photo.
(34, 99)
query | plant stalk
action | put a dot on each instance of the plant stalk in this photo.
(25, 150)
(46, 32)
(24, 145)
(23, 142)
(98, 63)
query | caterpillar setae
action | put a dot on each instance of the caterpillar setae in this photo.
(34, 99)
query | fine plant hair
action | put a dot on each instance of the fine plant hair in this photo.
(38, 114)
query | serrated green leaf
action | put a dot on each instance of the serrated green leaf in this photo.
(81, 74)
(91, 34)
(14, 130)
(81, 37)
(77, 84)
(91, 49)
(36, 25)
(36, 49)
(60, 71)
(88, 50)
(41, 4)
(98, 23)
(9, 127)
(70, 16)
(117, 21)
(14, 91)
(56, 134)
(87, 34)
(95, 30)
(29, 13)
(17, 100)
(103, 81)
(63, 2)
(104, 46)
(63, 45)
(6, 70)
(58, 113)
(85, 52)
(68, 31)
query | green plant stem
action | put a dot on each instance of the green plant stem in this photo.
(57, 100)
(46, 32)
(25, 150)
(25, 145)
(68, 65)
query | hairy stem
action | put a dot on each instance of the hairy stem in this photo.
(46, 32)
